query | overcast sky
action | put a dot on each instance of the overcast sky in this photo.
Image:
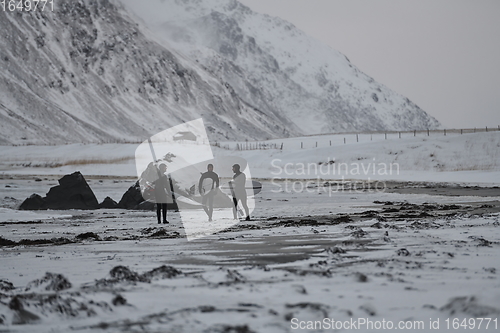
(444, 55)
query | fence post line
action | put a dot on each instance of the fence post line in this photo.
(445, 132)
(301, 145)
(486, 128)
(344, 140)
(461, 131)
(399, 133)
(428, 132)
(357, 138)
(385, 135)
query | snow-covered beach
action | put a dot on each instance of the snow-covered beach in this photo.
(420, 254)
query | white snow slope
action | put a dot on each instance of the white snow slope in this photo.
(468, 158)
(315, 86)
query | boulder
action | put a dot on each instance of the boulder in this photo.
(132, 198)
(108, 203)
(34, 202)
(73, 192)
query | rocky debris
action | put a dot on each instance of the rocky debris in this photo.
(342, 219)
(108, 203)
(424, 225)
(163, 233)
(335, 250)
(359, 233)
(73, 192)
(6, 242)
(41, 305)
(313, 307)
(370, 213)
(469, 306)
(53, 241)
(162, 272)
(304, 272)
(403, 252)
(21, 316)
(119, 300)
(50, 282)
(300, 289)
(121, 274)
(481, 241)
(30, 242)
(369, 309)
(88, 235)
(491, 270)
(317, 221)
(360, 277)
(6, 285)
(235, 276)
(220, 328)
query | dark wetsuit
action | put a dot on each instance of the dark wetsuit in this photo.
(208, 194)
(162, 186)
(239, 192)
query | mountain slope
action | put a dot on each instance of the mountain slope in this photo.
(92, 71)
(312, 84)
(88, 72)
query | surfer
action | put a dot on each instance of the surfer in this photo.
(238, 191)
(209, 181)
(161, 194)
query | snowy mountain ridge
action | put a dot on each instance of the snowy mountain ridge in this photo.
(298, 75)
(91, 72)
(87, 72)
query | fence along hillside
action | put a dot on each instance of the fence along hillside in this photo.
(333, 139)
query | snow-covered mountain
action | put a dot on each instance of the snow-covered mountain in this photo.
(308, 82)
(94, 71)
(88, 72)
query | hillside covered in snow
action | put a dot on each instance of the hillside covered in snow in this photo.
(95, 71)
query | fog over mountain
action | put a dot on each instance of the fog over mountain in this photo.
(94, 71)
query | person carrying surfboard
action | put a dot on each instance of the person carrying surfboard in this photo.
(209, 182)
(161, 192)
(238, 191)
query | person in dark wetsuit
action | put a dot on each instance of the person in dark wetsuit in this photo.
(238, 191)
(207, 194)
(161, 194)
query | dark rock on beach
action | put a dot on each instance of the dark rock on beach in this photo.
(108, 203)
(73, 192)
(6, 285)
(34, 202)
(88, 235)
(132, 198)
(50, 282)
